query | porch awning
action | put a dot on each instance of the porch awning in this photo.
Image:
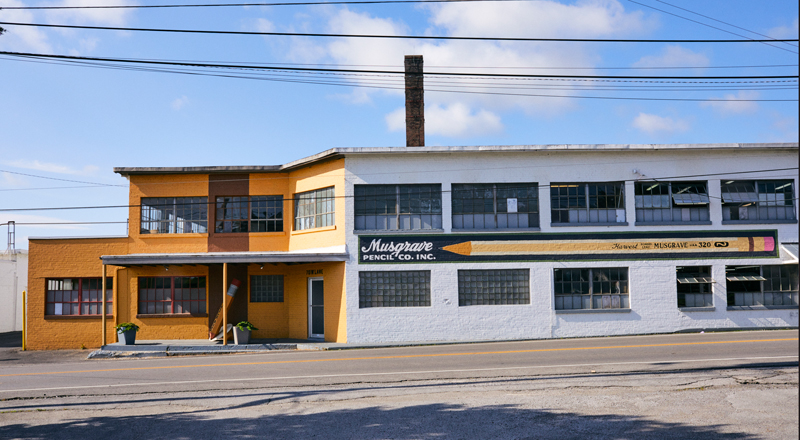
(695, 280)
(318, 255)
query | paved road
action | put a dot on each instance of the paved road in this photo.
(712, 385)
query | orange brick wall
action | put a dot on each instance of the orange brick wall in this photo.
(66, 258)
(169, 185)
(289, 319)
(189, 327)
(79, 258)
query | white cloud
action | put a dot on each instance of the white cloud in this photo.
(659, 125)
(51, 167)
(674, 56)
(13, 181)
(733, 104)
(588, 18)
(109, 17)
(455, 120)
(22, 38)
(585, 18)
(179, 103)
(784, 32)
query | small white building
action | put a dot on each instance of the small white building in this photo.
(552, 241)
(13, 280)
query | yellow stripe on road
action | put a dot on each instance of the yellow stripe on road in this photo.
(401, 357)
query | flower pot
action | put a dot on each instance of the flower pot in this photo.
(241, 337)
(127, 337)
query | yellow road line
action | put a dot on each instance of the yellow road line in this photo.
(401, 356)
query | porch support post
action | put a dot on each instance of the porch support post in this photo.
(103, 310)
(224, 309)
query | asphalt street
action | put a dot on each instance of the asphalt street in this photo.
(710, 385)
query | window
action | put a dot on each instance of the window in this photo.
(754, 201)
(77, 296)
(591, 288)
(587, 202)
(174, 215)
(671, 202)
(314, 209)
(493, 287)
(694, 286)
(398, 207)
(762, 285)
(266, 288)
(495, 206)
(394, 289)
(172, 295)
(253, 214)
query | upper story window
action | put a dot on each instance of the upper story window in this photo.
(174, 215)
(757, 200)
(495, 205)
(78, 296)
(314, 209)
(398, 207)
(671, 202)
(249, 214)
(587, 203)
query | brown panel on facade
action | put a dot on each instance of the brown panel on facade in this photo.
(238, 309)
(214, 291)
(220, 185)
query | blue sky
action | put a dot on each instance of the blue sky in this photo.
(77, 123)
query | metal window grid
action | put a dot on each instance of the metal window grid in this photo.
(172, 295)
(587, 202)
(394, 289)
(398, 207)
(314, 209)
(493, 287)
(77, 296)
(671, 202)
(696, 293)
(249, 214)
(754, 200)
(771, 285)
(174, 215)
(595, 288)
(266, 288)
(485, 206)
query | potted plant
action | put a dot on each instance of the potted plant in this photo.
(241, 332)
(126, 332)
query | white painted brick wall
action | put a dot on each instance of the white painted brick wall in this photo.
(652, 284)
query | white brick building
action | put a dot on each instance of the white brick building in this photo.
(724, 180)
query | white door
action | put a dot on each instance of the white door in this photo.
(316, 309)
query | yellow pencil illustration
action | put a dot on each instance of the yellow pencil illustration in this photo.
(612, 246)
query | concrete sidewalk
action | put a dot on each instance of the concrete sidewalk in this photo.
(183, 347)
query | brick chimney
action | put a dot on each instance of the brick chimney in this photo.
(415, 102)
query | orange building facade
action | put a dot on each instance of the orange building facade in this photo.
(193, 233)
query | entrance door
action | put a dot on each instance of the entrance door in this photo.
(316, 310)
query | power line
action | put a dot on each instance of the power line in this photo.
(222, 5)
(720, 29)
(62, 180)
(353, 196)
(392, 72)
(714, 19)
(385, 36)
